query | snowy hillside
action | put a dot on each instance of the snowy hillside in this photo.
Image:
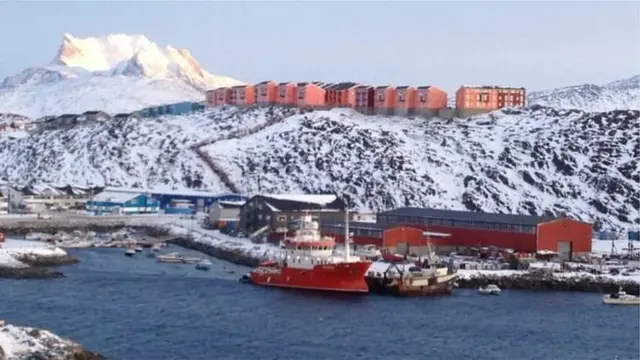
(617, 95)
(146, 153)
(533, 161)
(115, 73)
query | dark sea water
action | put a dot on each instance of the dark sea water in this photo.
(137, 309)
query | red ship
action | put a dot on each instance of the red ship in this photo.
(307, 262)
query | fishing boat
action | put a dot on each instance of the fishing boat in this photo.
(138, 249)
(204, 265)
(307, 262)
(490, 289)
(620, 297)
(129, 252)
(396, 275)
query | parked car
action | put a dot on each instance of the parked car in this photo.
(44, 216)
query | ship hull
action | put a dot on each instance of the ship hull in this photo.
(443, 285)
(342, 277)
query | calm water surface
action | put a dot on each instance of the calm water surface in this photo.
(137, 309)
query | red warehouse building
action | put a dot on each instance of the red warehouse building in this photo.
(522, 233)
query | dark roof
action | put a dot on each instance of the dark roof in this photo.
(92, 112)
(383, 86)
(303, 83)
(291, 205)
(344, 85)
(402, 87)
(319, 83)
(239, 86)
(469, 216)
(265, 82)
(67, 116)
(424, 87)
(284, 83)
(327, 85)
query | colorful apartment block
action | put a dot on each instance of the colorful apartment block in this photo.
(342, 94)
(430, 101)
(222, 96)
(310, 95)
(286, 94)
(243, 95)
(471, 99)
(405, 101)
(365, 99)
(385, 100)
(266, 93)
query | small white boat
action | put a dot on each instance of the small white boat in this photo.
(490, 289)
(204, 265)
(170, 258)
(129, 252)
(190, 260)
(620, 298)
(156, 248)
(138, 249)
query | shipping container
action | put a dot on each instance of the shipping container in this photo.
(633, 235)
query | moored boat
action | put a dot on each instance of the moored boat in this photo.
(620, 298)
(138, 249)
(307, 262)
(490, 289)
(170, 258)
(204, 265)
(129, 252)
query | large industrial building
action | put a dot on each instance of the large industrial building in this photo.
(200, 201)
(452, 230)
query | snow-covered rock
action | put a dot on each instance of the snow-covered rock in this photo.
(14, 253)
(531, 161)
(149, 153)
(618, 95)
(116, 73)
(22, 343)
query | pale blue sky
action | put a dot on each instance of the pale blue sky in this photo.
(538, 45)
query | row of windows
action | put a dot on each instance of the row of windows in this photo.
(392, 219)
(355, 231)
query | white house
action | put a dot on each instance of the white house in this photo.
(36, 198)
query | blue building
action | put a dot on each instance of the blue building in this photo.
(110, 202)
(174, 200)
(171, 109)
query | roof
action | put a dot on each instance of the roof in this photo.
(230, 204)
(344, 85)
(265, 82)
(383, 87)
(239, 86)
(426, 87)
(285, 83)
(67, 116)
(38, 189)
(115, 197)
(301, 202)
(403, 87)
(93, 112)
(469, 216)
(361, 225)
(125, 115)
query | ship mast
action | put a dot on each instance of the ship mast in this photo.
(347, 241)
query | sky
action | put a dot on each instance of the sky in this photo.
(538, 45)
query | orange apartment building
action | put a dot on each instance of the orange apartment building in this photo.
(405, 101)
(342, 94)
(219, 97)
(310, 95)
(430, 101)
(243, 95)
(365, 99)
(385, 100)
(266, 93)
(471, 100)
(286, 94)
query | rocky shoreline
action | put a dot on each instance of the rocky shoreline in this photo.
(548, 282)
(37, 344)
(37, 266)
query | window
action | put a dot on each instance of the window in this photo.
(401, 97)
(282, 218)
(484, 97)
(263, 92)
(380, 97)
(260, 217)
(423, 98)
(282, 93)
(301, 95)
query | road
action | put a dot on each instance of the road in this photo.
(66, 219)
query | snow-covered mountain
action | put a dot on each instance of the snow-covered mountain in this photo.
(617, 95)
(115, 73)
(537, 160)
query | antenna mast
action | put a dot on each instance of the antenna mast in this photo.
(347, 256)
